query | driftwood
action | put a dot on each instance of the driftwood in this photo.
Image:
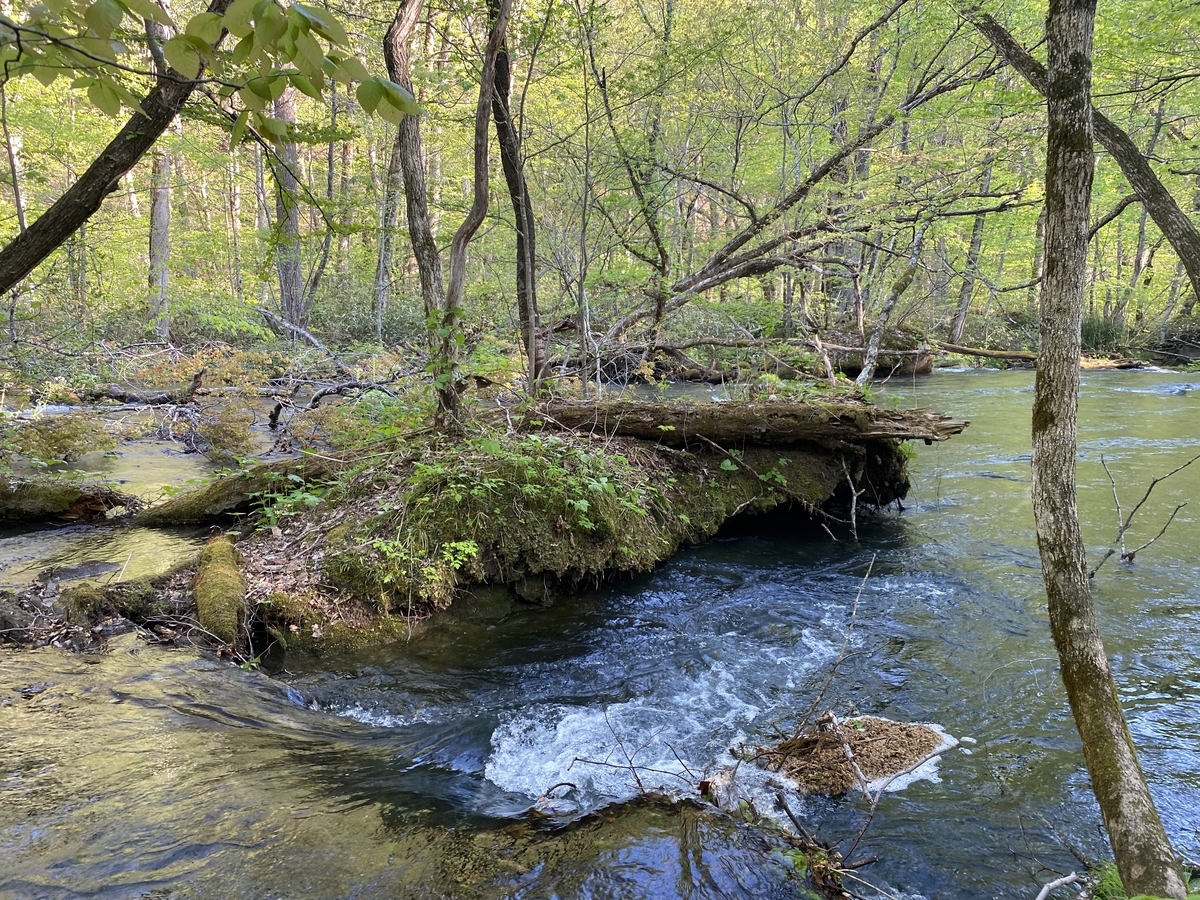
(833, 424)
(148, 398)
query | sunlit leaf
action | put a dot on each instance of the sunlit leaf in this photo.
(305, 86)
(239, 128)
(324, 24)
(206, 26)
(369, 93)
(271, 25)
(238, 19)
(399, 97)
(148, 9)
(182, 56)
(103, 16)
(104, 98)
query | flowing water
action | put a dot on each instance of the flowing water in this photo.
(410, 771)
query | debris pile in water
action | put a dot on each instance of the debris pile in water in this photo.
(835, 756)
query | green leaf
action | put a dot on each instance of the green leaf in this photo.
(206, 26)
(271, 26)
(128, 98)
(324, 24)
(244, 49)
(45, 75)
(182, 56)
(104, 98)
(305, 86)
(275, 129)
(369, 93)
(349, 68)
(309, 55)
(239, 128)
(103, 16)
(148, 9)
(252, 100)
(238, 19)
(399, 97)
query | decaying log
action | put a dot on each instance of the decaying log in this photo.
(834, 424)
(148, 398)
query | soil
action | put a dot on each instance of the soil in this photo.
(816, 758)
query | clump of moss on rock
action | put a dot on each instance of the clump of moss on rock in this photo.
(220, 589)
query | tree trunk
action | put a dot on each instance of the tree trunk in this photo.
(160, 243)
(1139, 843)
(389, 217)
(52, 228)
(901, 285)
(513, 165)
(12, 144)
(971, 269)
(287, 219)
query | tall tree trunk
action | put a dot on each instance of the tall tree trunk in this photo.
(442, 301)
(971, 269)
(12, 145)
(21, 255)
(287, 219)
(160, 243)
(901, 285)
(389, 217)
(513, 164)
(1139, 843)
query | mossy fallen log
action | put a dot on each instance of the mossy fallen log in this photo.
(30, 499)
(238, 493)
(833, 424)
(220, 590)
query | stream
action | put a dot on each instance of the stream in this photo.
(410, 770)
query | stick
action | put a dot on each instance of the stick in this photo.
(1056, 884)
(1124, 526)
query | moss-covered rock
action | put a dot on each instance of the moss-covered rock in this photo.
(61, 498)
(220, 589)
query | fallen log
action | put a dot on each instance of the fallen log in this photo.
(31, 499)
(147, 398)
(833, 425)
(1019, 355)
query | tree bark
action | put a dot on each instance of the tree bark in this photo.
(52, 228)
(287, 218)
(971, 268)
(1143, 854)
(160, 243)
(513, 165)
(1157, 200)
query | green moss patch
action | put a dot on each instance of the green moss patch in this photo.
(220, 589)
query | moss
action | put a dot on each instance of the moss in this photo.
(548, 513)
(85, 604)
(39, 498)
(136, 600)
(220, 589)
(241, 492)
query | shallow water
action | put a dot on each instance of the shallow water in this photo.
(409, 771)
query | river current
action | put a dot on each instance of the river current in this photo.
(411, 770)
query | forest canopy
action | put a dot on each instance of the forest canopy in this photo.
(682, 175)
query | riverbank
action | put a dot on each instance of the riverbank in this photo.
(345, 549)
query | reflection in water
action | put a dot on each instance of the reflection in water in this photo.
(409, 771)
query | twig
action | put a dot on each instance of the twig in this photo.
(854, 494)
(1123, 527)
(841, 653)
(1054, 885)
(883, 787)
(782, 801)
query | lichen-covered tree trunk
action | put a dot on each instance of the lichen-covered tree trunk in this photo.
(1139, 842)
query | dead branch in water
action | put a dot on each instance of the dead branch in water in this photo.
(1123, 526)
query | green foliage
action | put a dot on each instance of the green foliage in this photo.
(49, 439)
